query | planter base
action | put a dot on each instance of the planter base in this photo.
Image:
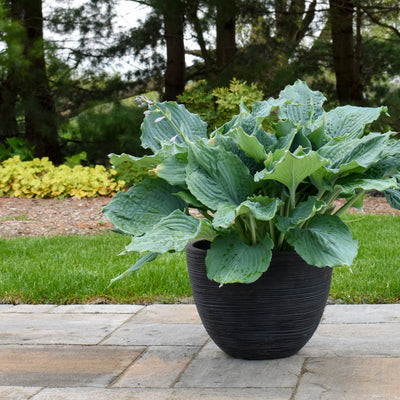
(273, 317)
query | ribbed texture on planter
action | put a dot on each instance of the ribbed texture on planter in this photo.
(273, 317)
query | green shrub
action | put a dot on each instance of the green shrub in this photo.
(40, 178)
(219, 105)
(105, 129)
(15, 146)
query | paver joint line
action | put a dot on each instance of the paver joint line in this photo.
(302, 371)
(122, 373)
(187, 365)
(113, 331)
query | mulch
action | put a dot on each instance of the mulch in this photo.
(44, 217)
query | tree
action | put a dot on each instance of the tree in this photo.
(173, 14)
(226, 32)
(24, 77)
(9, 57)
(346, 61)
(33, 87)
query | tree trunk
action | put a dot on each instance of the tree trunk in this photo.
(173, 12)
(8, 121)
(226, 32)
(37, 99)
(8, 94)
(341, 19)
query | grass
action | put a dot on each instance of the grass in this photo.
(78, 269)
(15, 218)
(375, 275)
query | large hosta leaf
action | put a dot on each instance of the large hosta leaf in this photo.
(393, 197)
(354, 154)
(142, 206)
(172, 233)
(173, 169)
(230, 260)
(261, 208)
(350, 184)
(154, 133)
(147, 161)
(325, 241)
(304, 104)
(291, 169)
(301, 213)
(216, 177)
(250, 145)
(262, 109)
(350, 120)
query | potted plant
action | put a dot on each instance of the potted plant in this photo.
(260, 257)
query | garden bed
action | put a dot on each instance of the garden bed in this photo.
(45, 217)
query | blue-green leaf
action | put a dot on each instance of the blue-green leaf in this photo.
(216, 177)
(301, 213)
(350, 184)
(292, 169)
(142, 206)
(304, 104)
(262, 208)
(154, 133)
(325, 241)
(173, 169)
(230, 260)
(353, 155)
(351, 120)
(138, 264)
(393, 197)
(172, 233)
(250, 145)
(224, 217)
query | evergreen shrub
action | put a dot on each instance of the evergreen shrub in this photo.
(219, 105)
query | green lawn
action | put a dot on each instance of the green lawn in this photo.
(375, 275)
(78, 269)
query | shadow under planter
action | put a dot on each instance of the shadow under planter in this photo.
(272, 317)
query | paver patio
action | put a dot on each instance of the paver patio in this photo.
(160, 352)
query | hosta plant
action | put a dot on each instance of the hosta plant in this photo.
(263, 182)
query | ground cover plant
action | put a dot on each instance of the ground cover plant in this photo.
(68, 269)
(42, 179)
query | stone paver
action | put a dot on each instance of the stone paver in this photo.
(159, 367)
(361, 313)
(97, 309)
(212, 369)
(158, 334)
(103, 394)
(40, 328)
(168, 314)
(164, 394)
(351, 378)
(359, 340)
(17, 392)
(4, 307)
(31, 308)
(63, 366)
(162, 352)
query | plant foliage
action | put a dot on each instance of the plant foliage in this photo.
(40, 178)
(258, 190)
(219, 105)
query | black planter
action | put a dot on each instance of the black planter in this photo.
(273, 317)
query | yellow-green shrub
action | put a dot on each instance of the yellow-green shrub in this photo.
(40, 178)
